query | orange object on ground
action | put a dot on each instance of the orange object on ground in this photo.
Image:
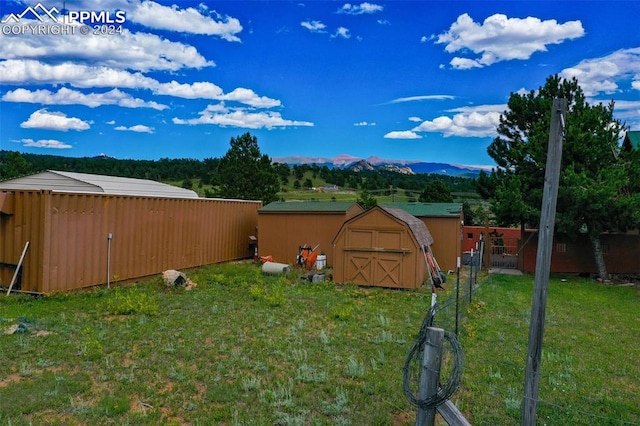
(307, 256)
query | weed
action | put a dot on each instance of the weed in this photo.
(91, 346)
(512, 404)
(25, 369)
(342, 313)
(299, 355)
(308, 374)
(339, 405)
(287, 419)
(112, 405)
(383, 320)
(250, 384)
(257, 292)
(280, 396)
(324, 337)
(354, 367)
(128, 301)
(276, 296)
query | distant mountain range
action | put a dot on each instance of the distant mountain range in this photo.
(346, 161)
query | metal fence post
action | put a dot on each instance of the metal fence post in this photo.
(471, 277)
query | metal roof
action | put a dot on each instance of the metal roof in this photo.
(429, 209)
(307, 206)
(88, 183)
(633, 138)
(417, 227)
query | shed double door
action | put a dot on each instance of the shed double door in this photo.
(374, 257)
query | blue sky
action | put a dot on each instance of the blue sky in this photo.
(409, 80)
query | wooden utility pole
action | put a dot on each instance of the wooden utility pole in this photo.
(543, 262)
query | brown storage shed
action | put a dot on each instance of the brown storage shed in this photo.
(382, 247)
(445, 223)
(68, 235)
(284, 226)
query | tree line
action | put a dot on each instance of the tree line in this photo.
(242, 172)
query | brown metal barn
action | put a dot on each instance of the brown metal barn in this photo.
(68, 235)
(382, 247)
(445, 222)
(284, 226)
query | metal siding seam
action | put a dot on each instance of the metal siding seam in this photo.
(43, 253)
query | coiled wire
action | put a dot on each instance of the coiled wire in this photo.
(414, 358)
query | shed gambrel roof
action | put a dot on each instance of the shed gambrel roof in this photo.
(417, 227)
(429, 209)
(89, 183)
(307, 207)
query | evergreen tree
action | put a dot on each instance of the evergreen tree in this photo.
(246, 173)
(14, 165)
(366, 200)
(436, 191)
(595, 193)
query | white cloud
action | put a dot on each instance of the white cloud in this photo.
(405, 134)
(135, 51)
(44, 143)
(314, 26)
(606, 74)
(415, 119)
(474, 124)
(422, 98)
(189, 20)
(18, 71)
(465, 63)
(424, 39)
(342, 32)
(43, 119)
(249, 97)
(353, 9)
(195, 90)
(500, 38)
(221, 116)
(66, 96)
(499, 108)
(364, 124)
(84, 76)
(628, 111)
(138, 128)
(111, 122)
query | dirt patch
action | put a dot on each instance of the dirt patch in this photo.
(404, 418)
(9, 380)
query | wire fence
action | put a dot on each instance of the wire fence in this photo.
(505, 378)
(459, 293)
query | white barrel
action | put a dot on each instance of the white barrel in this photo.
(274, 268)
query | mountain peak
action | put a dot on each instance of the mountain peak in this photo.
(373, 162)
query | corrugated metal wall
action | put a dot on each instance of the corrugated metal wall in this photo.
(68, 236)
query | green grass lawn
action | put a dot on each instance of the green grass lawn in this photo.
(590, 371)
(244, 349)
